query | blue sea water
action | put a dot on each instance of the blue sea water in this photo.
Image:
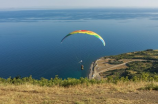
(30, 39)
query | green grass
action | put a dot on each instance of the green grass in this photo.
(74, 82)
(151, 86)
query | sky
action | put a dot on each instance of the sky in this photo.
(67, 4)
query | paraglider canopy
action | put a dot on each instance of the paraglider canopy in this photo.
(85, 32)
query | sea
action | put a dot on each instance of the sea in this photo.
(30, 40)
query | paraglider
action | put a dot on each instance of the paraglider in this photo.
(84, 32)
(82, 67)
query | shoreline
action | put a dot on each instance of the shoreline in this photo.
(102, 65)
(93, 69)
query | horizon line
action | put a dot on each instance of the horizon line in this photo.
(17, 9)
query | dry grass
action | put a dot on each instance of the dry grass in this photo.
(103, 65)
(155, 57)
(108, 93)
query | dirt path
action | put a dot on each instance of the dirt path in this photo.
(99, 67)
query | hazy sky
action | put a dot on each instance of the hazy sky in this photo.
(60, 4)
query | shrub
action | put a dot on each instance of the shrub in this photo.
(151, 86)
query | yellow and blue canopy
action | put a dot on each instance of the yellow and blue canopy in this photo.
(85, 32)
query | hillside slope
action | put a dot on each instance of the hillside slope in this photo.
(128, 64)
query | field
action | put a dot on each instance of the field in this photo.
(107, 93)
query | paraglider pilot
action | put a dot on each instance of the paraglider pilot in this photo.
(82, 67)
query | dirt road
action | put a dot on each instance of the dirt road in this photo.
(102, 65)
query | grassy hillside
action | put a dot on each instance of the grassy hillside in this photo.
(122, 92)
(148, 67)
(79, 91)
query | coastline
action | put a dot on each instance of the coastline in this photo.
(93, 69)
(103, 64)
